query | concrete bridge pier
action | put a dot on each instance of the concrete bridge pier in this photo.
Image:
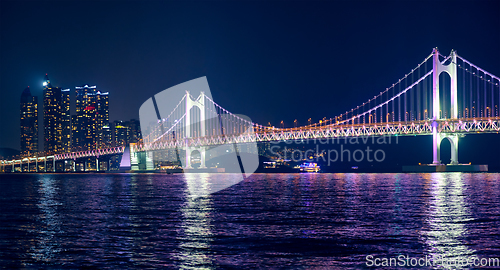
(149, 161)
(134, 158)
(189, 150)
(437, 140)
(141, 160)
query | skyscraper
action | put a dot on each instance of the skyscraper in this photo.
(65, 120)
(74, 133)
(29, 124)
(92, 114)
(102, 118)
(120, 133)
(52, 121)
(134, 128)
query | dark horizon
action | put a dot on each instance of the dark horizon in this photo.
(296, 60)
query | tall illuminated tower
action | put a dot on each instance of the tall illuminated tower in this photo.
(52, 121)
(29, 124)
(102, 119)
(65, 121)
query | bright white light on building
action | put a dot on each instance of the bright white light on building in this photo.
(44, 83)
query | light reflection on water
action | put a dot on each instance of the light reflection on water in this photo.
(45, 248)
(117, 221)
(196, 234)
(448, 215)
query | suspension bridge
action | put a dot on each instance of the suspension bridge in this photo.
(423, 102)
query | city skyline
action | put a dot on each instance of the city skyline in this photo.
(70, 123)
(294, 57)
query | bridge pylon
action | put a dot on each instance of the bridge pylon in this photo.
(190, 103)
(437, 137)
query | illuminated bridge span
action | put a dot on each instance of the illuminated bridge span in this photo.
(423, 102)
(48, 163)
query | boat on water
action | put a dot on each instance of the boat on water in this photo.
(309, 167)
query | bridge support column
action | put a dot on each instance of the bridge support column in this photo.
(454, 149)
(45, 164)
(437, 137)
(200, 103)
(54, 164)
(202, 155)
(187, 164)
(134, 158)
(28, 164)
(436, 144)
(189, 150)
(97, 163)
(149, 161)
(36, 164)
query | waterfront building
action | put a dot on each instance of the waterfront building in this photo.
(120, 133)
(134, 128)
(65, 120)
(29, 123)
(92, 114)
(52, 118)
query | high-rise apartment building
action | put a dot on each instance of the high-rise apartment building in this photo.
(29, 124)
(134, 130)
(65, 120)
(125, 132)
(120, 133)
(92, 114)
(102, 118)
(52, 118)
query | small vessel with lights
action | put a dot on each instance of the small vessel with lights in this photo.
(309, 167)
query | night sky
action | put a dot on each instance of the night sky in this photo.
(271, 61)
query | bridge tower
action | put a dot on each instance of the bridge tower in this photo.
(437, 137)
(190, 103)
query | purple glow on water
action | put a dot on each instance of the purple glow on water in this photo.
(119, 221)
